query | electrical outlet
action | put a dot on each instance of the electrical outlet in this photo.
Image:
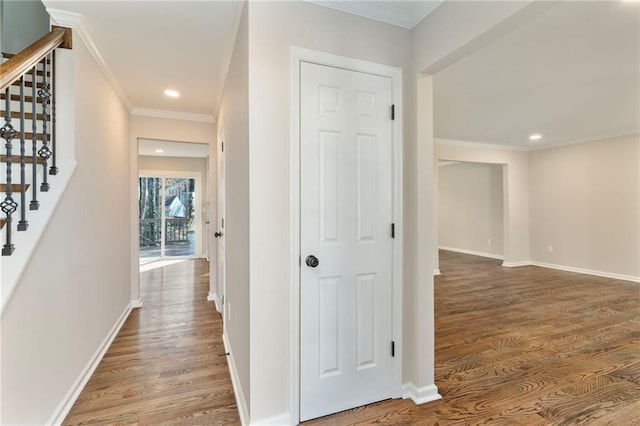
(489, 241)
(549, 249)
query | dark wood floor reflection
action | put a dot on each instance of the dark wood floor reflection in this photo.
(525, 346)
(167, 364)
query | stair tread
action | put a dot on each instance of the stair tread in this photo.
(28, 115)
(16, 98)
(2, 223)
(15, 187)
(15, 159)
(28, 137)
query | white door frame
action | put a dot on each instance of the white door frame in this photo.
(297, 56)
(221, 203)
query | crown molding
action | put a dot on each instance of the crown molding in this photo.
(228, 54)
(77, 22)
(480, 145)
(172, 115)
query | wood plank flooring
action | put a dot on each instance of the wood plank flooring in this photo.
(514, 346)
(167, 364)
(525, 346)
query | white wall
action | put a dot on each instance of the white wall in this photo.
(166, 129)
(76, 285)
(234, 119)
(274, 28)
(176, 164)
(585, 202)
(470, 207)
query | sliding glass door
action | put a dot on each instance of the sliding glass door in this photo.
(168, 220)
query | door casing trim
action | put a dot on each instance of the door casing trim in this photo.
(298, 55)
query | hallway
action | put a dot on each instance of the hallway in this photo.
(167, 364)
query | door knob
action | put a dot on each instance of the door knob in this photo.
(217, 234)
(312, 261)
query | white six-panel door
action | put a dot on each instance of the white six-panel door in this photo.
(346, 193)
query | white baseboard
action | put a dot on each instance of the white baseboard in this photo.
(69, 399)
(136, 303)
(474, 253)
(279, 420)
(436, 272)
(516, 264)
(587, 271)
(213, 297)
(420, 395)
(241, 402)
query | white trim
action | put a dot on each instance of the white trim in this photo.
(516, 264)
(78, 23)
(474, 253)
(436, 272)
(243, 411)
(298, 55)
(172, 115)
(587, 271)
(213, 297)
(279, 420)
(136, 303)
(69, 399)
(420, 395)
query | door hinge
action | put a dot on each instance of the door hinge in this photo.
(223, 222)
(393, 348)
(222, 146)
(393, 112)
(393, 230)
(223, 300)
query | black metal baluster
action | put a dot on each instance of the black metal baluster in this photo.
(8, 206)
(44, 152)
(53, 170)
(22, 223)
(34, 204)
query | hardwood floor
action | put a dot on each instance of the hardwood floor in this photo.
(167, 364)
(514, 346)
(525, 346)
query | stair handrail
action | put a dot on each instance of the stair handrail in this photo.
(22, 62)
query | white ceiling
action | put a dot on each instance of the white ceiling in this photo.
(149, 46)
(401, 13)
(571, 74)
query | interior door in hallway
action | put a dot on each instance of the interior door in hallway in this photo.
(346, 241)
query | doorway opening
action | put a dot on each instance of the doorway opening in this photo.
(471, 208)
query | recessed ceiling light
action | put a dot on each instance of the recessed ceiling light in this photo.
(535, 137)
(172, 93)
(159, 151)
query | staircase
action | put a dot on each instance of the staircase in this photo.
(29, 154)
